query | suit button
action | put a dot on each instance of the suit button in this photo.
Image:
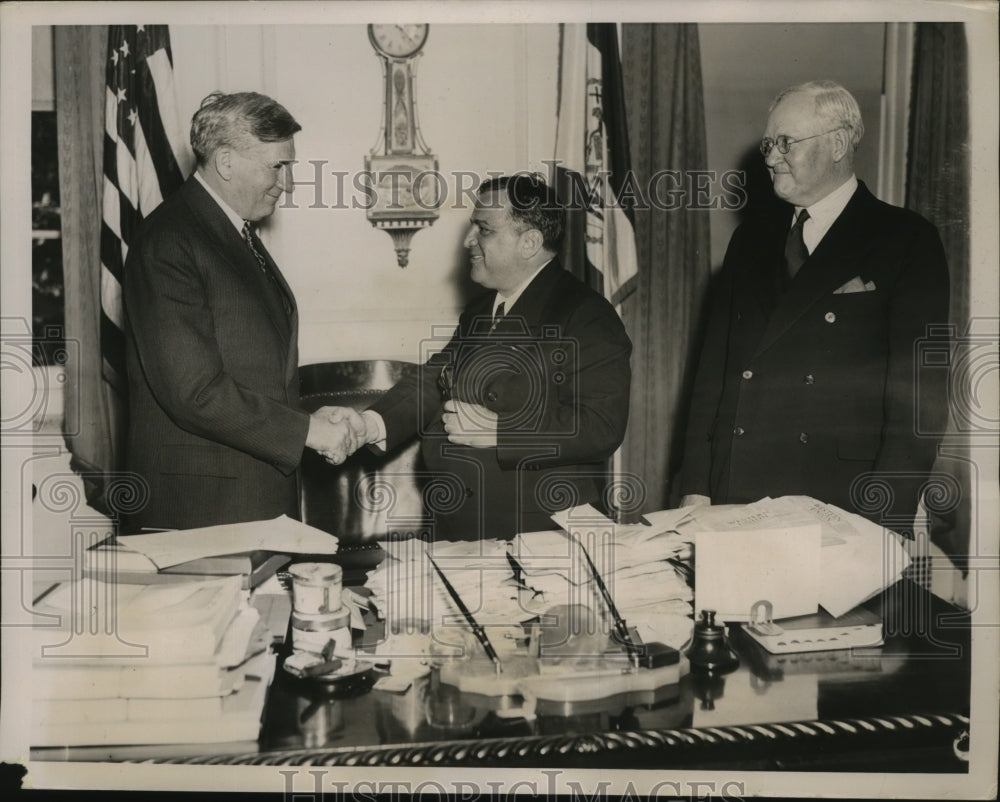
(808, 378)
(491, 396)
(829, 317)
(803, 438)
(738, 431)
(468, 492)
(747, 374)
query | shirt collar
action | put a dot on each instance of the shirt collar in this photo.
(824, 211)
(234, 218)
(511, 298)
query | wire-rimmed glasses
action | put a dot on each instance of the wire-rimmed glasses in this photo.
(784, 143)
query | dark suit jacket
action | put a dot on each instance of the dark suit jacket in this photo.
(212, 357)
(556, 371)
(801, 390)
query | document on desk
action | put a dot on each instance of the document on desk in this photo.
(737, 568)
(858, 558)
(651, 525)
(281, 534)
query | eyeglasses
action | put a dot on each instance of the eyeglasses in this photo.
(784, 143)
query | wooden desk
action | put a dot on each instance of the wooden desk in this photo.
(902, 707)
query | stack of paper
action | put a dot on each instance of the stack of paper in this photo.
(648, 591)
(407, 592)
(856, 558)
(144, 664)
(255, 550)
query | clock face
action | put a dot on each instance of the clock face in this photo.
(398, 41)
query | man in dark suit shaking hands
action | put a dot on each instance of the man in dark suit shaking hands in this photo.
(215, 429)
(519, 411)
(809, 379)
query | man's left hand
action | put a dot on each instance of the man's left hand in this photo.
(470, 424)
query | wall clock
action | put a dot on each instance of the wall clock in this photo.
(400, 170)
(398, 41)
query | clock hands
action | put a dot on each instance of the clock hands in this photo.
(406, 33)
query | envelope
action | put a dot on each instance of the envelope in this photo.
(855, 285)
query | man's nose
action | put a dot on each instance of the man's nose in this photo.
(470, 237)
(773, 157)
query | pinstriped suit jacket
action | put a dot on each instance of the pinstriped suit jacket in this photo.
(215, 428)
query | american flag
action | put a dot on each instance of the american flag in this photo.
(145, 159)
(592, 155)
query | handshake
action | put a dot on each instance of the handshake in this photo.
(337, 432)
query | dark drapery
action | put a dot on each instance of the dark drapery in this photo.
(661, 66)
(937, 186)
(91, 404)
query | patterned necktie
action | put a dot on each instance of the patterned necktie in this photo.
(248, 238)
(496, 316)
(795, 247)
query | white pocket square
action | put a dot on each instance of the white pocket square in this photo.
(855, 285)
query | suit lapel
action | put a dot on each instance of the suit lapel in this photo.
(832, 263)
(763, 282)
(528, 312)
(530, 308)
(234, 253)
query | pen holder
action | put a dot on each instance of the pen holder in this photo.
(709, 651)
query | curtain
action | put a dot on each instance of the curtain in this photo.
(937, 187)
(90, 401)
(661, 66)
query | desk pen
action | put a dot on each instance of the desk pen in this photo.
(619, 621)
(477, 628)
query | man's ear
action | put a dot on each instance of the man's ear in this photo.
(531, 242)
(841, 144)
(222, 160)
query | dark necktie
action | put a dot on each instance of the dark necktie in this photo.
(496, 316)
(248, 238)
(795, 247)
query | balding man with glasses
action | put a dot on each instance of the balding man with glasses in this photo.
(810, 380)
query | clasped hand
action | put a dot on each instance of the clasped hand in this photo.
(336, 433)
(470, 424)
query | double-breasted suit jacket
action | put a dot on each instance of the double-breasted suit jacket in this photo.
(810, 386)
(215, 428)
(556, 371)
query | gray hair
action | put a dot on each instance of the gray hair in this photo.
(832, 102)
(240, 119)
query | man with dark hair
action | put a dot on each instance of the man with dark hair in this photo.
(215, 429)
(809, 381)
(524, 405)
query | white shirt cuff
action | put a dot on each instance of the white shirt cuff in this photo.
(374, 417)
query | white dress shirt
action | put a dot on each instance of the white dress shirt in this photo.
(234, 218)
(823, 213)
